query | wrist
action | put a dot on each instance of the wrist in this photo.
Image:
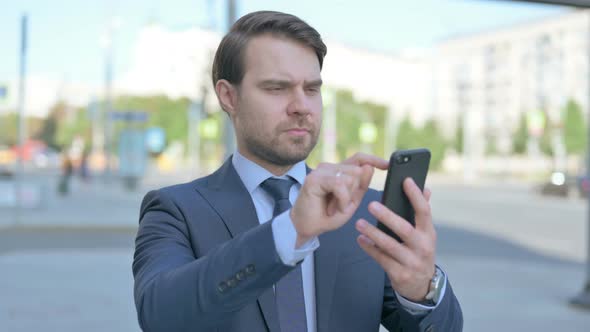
(303, 235)
(435, 287)
(301, 241)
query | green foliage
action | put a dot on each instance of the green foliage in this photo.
(407, 135)
(521, 136)
(48, 132)
(8, 129)
(170, 114)
(545, 141)
(491, 146)
(429, 137)
(433, 139)
(350, 114)
(575, 135)
(74, 123)
(459, 132)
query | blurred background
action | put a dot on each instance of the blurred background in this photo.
(102, 101)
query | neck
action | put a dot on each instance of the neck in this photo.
(277, 170)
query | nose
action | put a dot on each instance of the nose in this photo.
(299, 104)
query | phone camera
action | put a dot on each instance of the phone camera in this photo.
(402, 159)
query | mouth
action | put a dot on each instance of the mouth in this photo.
(297, 131)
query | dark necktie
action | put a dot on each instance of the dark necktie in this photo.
(288, 290)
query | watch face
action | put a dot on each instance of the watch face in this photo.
(435, 287)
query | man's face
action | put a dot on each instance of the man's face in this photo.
(279, 104)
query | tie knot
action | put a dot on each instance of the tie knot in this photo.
(277, 188)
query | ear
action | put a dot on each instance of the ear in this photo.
(227, 95)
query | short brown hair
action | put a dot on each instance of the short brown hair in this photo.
(229, 58)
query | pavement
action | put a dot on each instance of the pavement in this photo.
(514, 258)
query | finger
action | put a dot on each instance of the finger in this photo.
(340, 195)
(427, 194)
(330, 168)
(361, 159)
(421, 206)
(363, 183)
(384, 242)
(388, 263)
(352, 179)
(397, 224)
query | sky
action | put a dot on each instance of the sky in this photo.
(64, 35)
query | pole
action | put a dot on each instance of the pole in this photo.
(195, 112)
(329, 131)
(583, 299)
(107, 108)
(21, 119)
(228, 132)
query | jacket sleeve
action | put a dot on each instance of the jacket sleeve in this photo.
(176, 291)
(447, 316)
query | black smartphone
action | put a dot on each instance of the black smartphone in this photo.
(403, 164)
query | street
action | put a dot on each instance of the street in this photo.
(514, 258)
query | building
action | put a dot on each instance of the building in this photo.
(489, 79)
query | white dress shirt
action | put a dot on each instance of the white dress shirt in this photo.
(285, 236)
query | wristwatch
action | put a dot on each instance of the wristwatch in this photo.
(435, 288)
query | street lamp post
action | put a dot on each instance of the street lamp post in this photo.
(21, 119)
(106, 141)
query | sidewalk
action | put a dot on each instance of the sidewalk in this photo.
(68, 268)
(71, 281)
(95, 205)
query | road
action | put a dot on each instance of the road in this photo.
(514, 258)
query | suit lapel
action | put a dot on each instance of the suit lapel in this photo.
(227, 194)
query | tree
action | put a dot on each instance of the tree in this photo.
(8, 129)
(75, 124)
(574, 129)
(459, 135)
(49, 128)
(521, 136)
(430, 137)
(407, 134)
(170, 114)
(545, 141)
(350, 114)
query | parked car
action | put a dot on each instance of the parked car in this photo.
(583, 185)
(565, 185)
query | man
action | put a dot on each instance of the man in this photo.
(266, 244)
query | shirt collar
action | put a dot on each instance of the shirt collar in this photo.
(253, 175)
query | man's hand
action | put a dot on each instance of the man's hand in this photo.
(331, 194)
(410, 265)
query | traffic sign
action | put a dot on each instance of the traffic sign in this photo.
(129, 116)
(155, 139)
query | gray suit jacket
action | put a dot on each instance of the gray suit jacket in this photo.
(204, 263)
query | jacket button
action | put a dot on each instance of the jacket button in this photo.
(250, 269)
(222, 287)
(232, 282)
(430, 328)
(241, 275)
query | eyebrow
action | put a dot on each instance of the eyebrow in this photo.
(285, 83)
